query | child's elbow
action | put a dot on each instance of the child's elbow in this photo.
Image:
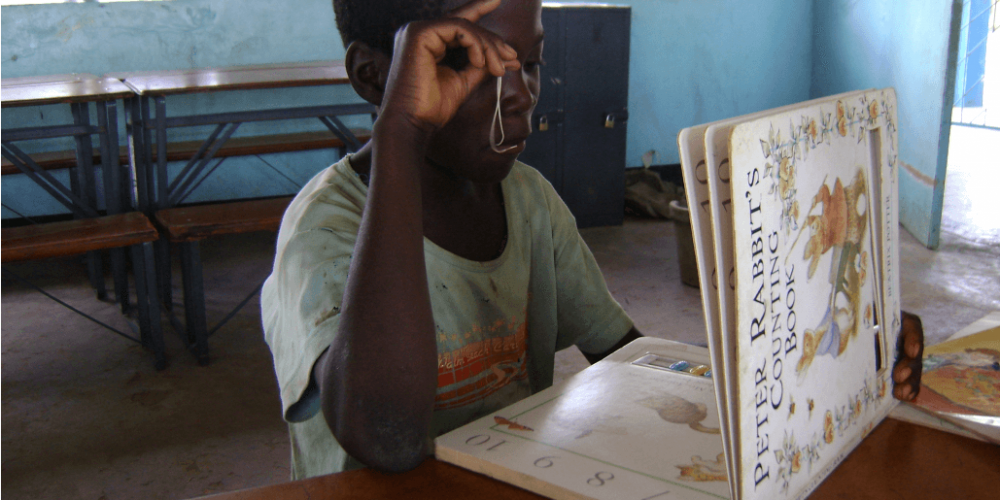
(388, 451)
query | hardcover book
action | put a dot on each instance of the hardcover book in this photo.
(804, 204)
(960, 387)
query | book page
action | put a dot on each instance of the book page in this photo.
(621, 429)
(816, 286)
(961, 382)
(691, 144)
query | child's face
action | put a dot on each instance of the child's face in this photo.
(463, 145)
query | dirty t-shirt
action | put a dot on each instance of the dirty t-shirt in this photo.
(498, 323)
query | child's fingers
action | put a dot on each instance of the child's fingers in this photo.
(496, 64)
(903, 392)
(901, 373)
(475, 10)
(485, 49)
(506, 55)
(437, 38)
(474, 45)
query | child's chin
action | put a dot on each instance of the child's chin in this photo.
(497, 171)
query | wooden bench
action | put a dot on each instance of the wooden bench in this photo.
(197, 222)
(183, 227)
(62, 239)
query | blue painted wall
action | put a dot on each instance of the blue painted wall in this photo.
(103, 38)
(692, 61)
(134, 36)
(910, 45)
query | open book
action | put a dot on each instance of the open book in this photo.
(640, 424)
(794, 214)
(960, 387)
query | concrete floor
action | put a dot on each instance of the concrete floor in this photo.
(86, 416)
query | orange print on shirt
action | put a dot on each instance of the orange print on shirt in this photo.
(481, 368)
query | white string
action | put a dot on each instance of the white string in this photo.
(497, 118)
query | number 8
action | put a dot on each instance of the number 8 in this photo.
(597, 480)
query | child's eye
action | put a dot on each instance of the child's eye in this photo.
(533, 65)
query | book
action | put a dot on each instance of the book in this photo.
(640, 424)
(699, 164)
(794, 215)
(804, 205)
(960, 386)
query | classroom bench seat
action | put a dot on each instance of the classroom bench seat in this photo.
(196, 222)
(61, 239)
(186, 226)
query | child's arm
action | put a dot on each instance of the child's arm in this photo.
(379, 377)
(629, 337)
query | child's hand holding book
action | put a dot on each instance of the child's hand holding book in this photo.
(907, 370)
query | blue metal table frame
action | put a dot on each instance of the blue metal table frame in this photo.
(148, 122)
(80, 198)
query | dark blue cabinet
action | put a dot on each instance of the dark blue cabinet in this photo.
(582, 113)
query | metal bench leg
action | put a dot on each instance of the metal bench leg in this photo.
(194, 300)
(114, 192)
(147, 303)
(120, 275)
(163, 273)
(86, 189)
(95, 272)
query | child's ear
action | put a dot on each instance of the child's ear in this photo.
(368, 69)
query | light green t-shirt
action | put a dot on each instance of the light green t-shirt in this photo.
(498, 323)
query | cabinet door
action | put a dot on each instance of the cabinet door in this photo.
(596, 93)
(544, 149)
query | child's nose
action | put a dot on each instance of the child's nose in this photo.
(519, 93)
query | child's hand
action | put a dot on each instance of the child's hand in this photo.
(908, 367)
(422, 87)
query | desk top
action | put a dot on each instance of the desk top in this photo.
(262, 76)
(897, 460)
(55, 89)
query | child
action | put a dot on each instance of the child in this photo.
(428, 279)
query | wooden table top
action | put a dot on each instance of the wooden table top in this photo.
(897, 460)
(261, 76)
(55, 89)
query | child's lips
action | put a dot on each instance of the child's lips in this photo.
(512, 146)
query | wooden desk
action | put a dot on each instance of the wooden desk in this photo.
(57, 89)
(148, 125)
(897, 460)
(89, 232)
(260, 76)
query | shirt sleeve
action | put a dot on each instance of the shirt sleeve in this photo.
(300, 301)
(588, 315)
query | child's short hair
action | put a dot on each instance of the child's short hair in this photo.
(375, 22)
